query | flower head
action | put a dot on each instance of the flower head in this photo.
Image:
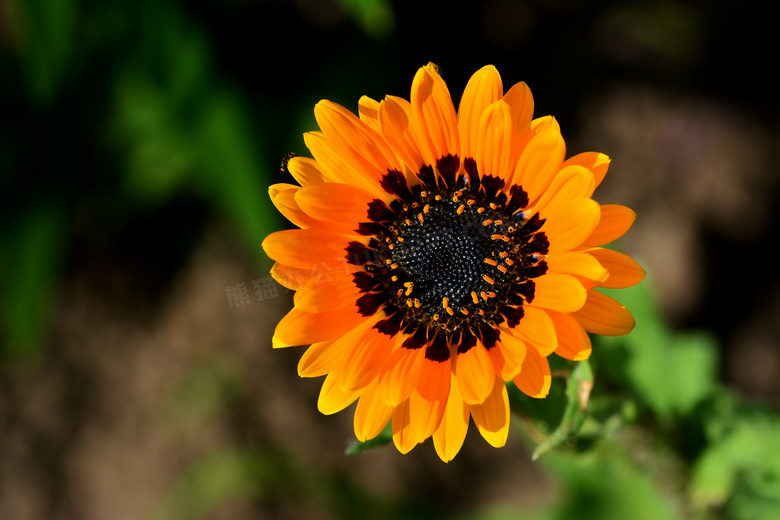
(442, 254)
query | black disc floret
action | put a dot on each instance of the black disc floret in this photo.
(451, 258)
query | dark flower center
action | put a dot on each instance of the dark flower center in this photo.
(451, 255)
(450, 259)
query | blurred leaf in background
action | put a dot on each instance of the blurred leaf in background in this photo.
(119, 117)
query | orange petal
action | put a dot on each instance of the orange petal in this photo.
(509, 355)
(305, 248)
(283, 197)
(402, 428)
(540, 160)
(303, 328)
(481, 91)
(624, 271)
(400, 374)
(534, 380)
(365, 359)
(328, 289)
(596, 162)
(522, 104)
(559, 292)
(332, 398)
(292, 278)
(320, 359)
(394, 117)
(604, 315)
(449, 436)
(536, 329)
(371, 414)
(475, 373)
(493, 150)
(492, 416)
(425, 415)
(332, 201)
(331, 356)
(305, 170)
(338, 166)
(355, 140)
(368, 111)
(580, 264)
(573, 342)
(434, 383)
(571, 182)
(570, 223)
(615, 221)
(433, 116)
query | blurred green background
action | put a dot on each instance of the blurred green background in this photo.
(137, 142)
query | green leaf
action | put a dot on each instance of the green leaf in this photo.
(741, 460)
(31, 250)
(45, 37)
(671, 372)
(383, 439)
(578, 389)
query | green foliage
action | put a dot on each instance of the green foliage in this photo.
(135, 85)
(739, 469)
(578, 386)
(30, 251)
(383, 439)
(669, 372)
(46, 40)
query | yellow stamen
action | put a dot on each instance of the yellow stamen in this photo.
(474, 297)
(444, 302)
(488, 279)
(490, 261)
(461, 208)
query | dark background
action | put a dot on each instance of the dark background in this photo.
(137, 142)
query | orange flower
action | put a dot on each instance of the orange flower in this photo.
(442, 254)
